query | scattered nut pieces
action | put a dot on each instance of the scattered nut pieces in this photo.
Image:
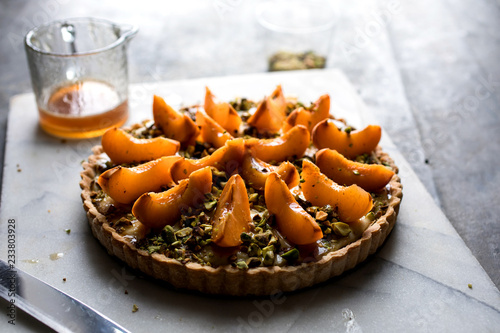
(135, 308)
(321, 216)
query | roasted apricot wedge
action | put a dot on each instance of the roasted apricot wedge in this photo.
(291, 145)
(232, 215)
(371, 177)
(255, 172)
(156, 210)
(309, 118)
(349, 143)
(227, 158)
(223, 113)
(174, 125)
(210, 131)
(124, 185)
(350, 202)
(270, 113)
(292, 220)
(122, 147)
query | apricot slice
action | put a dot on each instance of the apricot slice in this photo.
(227, 158)
(270, 113)
(255, 172)
(122, 147)
(350, 202)
(222, 112)
(125, 185)
(291, 145)
(210, 131)
(371, 177)
(293, 221)
(156, 210)
(309, 118)
(350, 144)
(175, 125)
(232, 215)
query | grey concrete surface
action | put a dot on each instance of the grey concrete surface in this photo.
(428, 70)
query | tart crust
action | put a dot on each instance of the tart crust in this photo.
(228, 280)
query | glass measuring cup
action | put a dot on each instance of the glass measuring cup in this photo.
(79, 75)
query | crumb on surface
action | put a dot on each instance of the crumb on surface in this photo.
(126, 292)
(135, 308)
(64, 279)
(68, 231)
(469, 285)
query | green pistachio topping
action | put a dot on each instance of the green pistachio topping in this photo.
(341, 229)
(291, 255)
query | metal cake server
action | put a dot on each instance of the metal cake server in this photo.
(49, 305)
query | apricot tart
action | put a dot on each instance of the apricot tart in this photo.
(241, 198)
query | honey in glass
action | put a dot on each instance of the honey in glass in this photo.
(83, 110)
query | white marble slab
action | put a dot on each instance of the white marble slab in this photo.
(417, 282)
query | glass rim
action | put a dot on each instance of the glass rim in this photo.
(261, 8)
(132, 31)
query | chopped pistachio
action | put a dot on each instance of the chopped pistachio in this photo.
(312, 209)
(254, 250)
(176, 243)
(241, 265)
(135, 308)
(469, 285)
(184, 232)
(253, 262)
(209, 205)
(327, 209)
(273, 240)
(321, 216)
(68, 231)
(259, 208)
(268, 255)
(263, 237)
(206, 227)
(168, 234)
(370, 216)
(253, 197)
(341, 229)
(291, 255)
(245, 237)
(154, 248)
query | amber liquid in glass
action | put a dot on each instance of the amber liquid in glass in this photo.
(83, 110)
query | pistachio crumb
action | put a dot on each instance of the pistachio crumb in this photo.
(135, 308)
(469, 285)
(321, 216)
(68, 231)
